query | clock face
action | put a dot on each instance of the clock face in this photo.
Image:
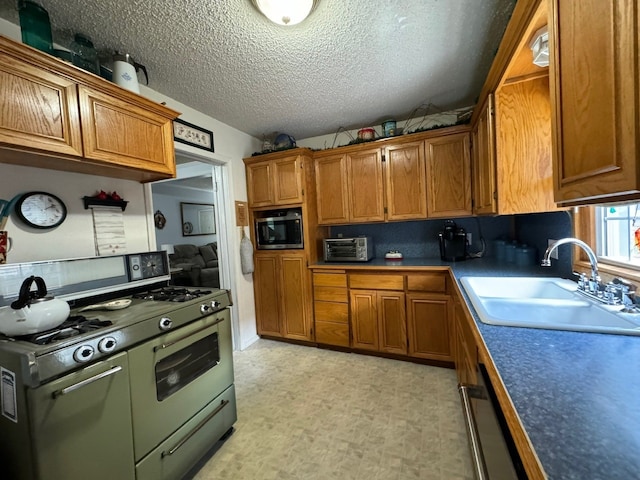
(152, 264)
(41, 210)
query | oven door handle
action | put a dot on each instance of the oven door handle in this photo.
(223, 403)
(479, 465)
(178, 340)
(95, 378)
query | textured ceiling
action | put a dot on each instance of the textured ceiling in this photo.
(351, 64)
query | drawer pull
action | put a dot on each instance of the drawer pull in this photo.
(76, 386)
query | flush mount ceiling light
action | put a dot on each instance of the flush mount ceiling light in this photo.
(285, 12)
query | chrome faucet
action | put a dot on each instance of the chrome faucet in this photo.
(594, 282)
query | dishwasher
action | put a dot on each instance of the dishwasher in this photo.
(493, 452)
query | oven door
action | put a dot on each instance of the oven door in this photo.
(177, 374)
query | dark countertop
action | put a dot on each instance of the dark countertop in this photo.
(577, 394)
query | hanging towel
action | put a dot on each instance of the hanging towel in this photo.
(108, 228)
(246, 254)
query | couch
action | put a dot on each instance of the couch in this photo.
(198, 265)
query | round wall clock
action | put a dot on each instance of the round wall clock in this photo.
(41, 210)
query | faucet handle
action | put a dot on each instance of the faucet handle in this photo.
(582, 280)
(627, 290)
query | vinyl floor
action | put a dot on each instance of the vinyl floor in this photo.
(315, 414)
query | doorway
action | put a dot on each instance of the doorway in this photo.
(203, 181)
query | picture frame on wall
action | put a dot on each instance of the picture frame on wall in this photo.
(190, 134)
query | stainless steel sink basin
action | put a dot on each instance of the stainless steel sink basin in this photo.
(544, 302)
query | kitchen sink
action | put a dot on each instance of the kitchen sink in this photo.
(545, 302)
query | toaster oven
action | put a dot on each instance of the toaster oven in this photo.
(358, 249)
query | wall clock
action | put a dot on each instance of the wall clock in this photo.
(41, 210)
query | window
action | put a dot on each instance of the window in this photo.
(617, 234)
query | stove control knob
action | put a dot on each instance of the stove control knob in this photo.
(205, 309)
(215, 304)
(165, 323)
(83, 353)
(107, 344)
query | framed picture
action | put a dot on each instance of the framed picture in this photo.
(193, 135)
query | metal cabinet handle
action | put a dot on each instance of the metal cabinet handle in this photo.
(223, 404)
(472, 432)
(76, 386)
(178, 340)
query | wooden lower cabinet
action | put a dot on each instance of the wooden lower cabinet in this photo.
(378, 321)
(331, 308)
(465, 348)
(428, 318)
(282, 286)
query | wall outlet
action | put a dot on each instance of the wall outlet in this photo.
(469, 239)
(554, 254)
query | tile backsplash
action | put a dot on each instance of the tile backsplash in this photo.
(420, 238)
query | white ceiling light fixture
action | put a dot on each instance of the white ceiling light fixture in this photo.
(285, 12)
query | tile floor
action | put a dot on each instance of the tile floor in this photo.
(313, 414)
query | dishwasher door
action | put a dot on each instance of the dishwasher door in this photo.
(493, 452)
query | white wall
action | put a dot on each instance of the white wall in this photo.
(74, 237)
(169, 205)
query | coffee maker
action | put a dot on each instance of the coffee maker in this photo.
(453, 242)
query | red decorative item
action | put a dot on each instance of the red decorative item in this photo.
(115, 196)
(102, 195)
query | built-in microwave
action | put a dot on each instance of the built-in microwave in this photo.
(280, 229)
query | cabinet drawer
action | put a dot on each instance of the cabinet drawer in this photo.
(428, 282)
(332, 312)
(330, 294)
(330, 279)
(377, 282)
(331, 333)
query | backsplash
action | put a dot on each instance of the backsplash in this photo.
(420, 238)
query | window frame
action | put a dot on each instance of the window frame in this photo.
(585, 229)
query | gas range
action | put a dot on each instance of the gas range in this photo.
(86, 337)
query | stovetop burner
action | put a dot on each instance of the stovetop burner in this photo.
(72, 326)
(170, 294)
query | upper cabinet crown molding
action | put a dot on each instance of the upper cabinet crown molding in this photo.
(58, 116)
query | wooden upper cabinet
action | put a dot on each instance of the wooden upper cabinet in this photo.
(405, 181)
(449, 175)
(512, 161)
(275, 182)
(365, 186)
(287, 180)
(54, 115)
(38, 108)
(332, 196)
(116, 132)
(595, 90)
(259, 184)
(484, 162)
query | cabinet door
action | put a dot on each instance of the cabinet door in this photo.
(259, 185)
(594, 73)
(38, 109)
(405, 181)
(392, 322)
(294, 280)
(364, 319)
(117, 132)
(265, 285)
(484, 162)
(287, 180)
(428, 321)
(449, 176)
(366, 189)
(331, 190)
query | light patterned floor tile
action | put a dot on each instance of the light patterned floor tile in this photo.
(306, 413)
